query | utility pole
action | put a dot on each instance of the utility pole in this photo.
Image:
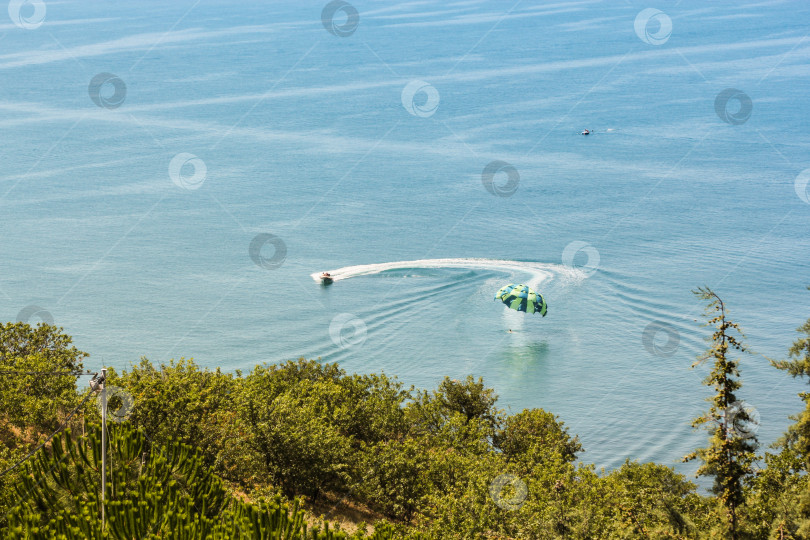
(103, 441)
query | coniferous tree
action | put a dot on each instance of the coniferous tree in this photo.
(797, 439)
(729, 457)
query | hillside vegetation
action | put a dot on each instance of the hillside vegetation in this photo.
(291, 450)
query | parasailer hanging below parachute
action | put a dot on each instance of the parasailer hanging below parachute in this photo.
(521, 298)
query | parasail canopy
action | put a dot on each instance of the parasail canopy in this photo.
(521, 298)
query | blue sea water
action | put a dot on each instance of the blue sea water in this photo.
(368, 149)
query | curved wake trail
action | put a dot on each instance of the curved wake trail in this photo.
(538, 272)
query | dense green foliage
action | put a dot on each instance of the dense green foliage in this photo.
(202, 450)
(30, 403)
(444, 463)
(32, 406)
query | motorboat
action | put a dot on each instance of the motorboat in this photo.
(326, 278)
(586, 132)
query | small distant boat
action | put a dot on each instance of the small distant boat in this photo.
(326, 278)
(586, 132)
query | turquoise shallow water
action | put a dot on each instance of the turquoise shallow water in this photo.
(306, 136)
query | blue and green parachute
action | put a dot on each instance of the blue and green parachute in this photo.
(521, 298)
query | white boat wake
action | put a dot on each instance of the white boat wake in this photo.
(538, 272)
